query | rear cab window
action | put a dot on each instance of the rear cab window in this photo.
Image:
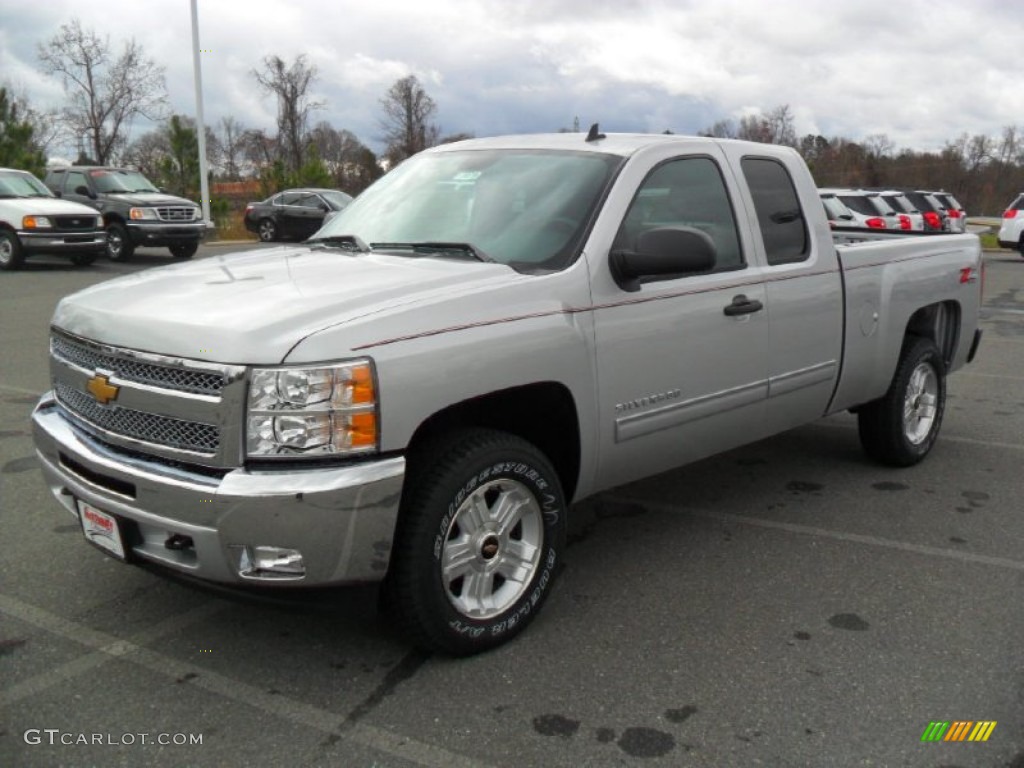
(779, 215)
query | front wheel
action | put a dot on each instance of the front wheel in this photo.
(1020, 245)
(11, 255)
(481, 536)
(119, 243)
(901, 427)
(184, 250)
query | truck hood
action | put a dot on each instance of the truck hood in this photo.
(41, 206)
(253, 307)
(146, 199)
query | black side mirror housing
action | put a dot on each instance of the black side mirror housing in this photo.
(81, 189)
(663, 253)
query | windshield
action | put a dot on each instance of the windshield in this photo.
(525, 208)
(22, 184)
(121, 181)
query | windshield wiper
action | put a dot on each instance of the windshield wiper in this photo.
(438, 247)
(347, 242)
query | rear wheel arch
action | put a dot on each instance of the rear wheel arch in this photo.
(940, 323)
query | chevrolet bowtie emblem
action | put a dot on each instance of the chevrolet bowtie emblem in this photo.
(101, 388)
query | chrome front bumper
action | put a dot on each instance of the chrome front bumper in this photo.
(341, 519)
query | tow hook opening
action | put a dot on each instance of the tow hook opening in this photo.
(178, 542)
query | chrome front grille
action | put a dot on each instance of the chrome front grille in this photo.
(173, 409)
(146, 427)
(176, 213)
(164, 376)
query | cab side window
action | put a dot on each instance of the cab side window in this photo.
(75, 180)
(779, 215)
(688, 192)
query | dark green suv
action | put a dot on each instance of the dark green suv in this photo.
(135, 213)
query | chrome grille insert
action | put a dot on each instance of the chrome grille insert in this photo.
(147, 427)
(164, 376)
(178, 213)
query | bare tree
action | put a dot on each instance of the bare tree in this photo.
(407, 119)
(230, 147)
(105, 92)
(721, 129)
(352, 166)
(290, 84)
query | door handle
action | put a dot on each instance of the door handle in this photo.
(741, 305)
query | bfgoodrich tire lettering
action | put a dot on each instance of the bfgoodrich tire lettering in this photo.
(901, 427)
(479, 542)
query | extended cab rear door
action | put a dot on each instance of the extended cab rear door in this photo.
(679, 376)
(803, 286)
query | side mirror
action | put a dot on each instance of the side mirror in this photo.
(663, 253)
(81, 189)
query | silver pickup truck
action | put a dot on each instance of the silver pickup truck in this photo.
(495, 329)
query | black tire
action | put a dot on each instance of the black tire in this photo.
(489, 472)
(184, 250)
(1020, 245)
(267, 230)
(83, 259)
(900, 428)
(11, 255)
(119, 243)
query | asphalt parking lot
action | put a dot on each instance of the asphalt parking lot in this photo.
(785, 604)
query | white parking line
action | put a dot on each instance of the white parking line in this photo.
(808, 530)
(108, 647)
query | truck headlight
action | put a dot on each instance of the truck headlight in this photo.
(36, 222)
(135, 214)
(312, 410)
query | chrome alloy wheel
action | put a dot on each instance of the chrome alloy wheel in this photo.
(492, 549)
(920, 403)
(115, 243)
(6, 251)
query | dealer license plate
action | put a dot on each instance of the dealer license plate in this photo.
(101, 529)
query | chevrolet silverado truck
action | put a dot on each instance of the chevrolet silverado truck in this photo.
(135, 213)
(495, 329)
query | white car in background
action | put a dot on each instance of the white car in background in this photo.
(957, 215)
(1011, 233)
(868, 209)
(899, 202)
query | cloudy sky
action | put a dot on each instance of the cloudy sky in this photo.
(920, 71)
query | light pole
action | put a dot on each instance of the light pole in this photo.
(204, 185)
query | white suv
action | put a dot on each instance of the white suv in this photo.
(1011, 233)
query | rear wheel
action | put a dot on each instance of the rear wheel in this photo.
(901, 427)
(1020, 245)
(119, 243)
(184, 250)
(267, 230)
(480, 538)
(11, 255)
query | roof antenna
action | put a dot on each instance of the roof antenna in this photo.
(594, 134)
